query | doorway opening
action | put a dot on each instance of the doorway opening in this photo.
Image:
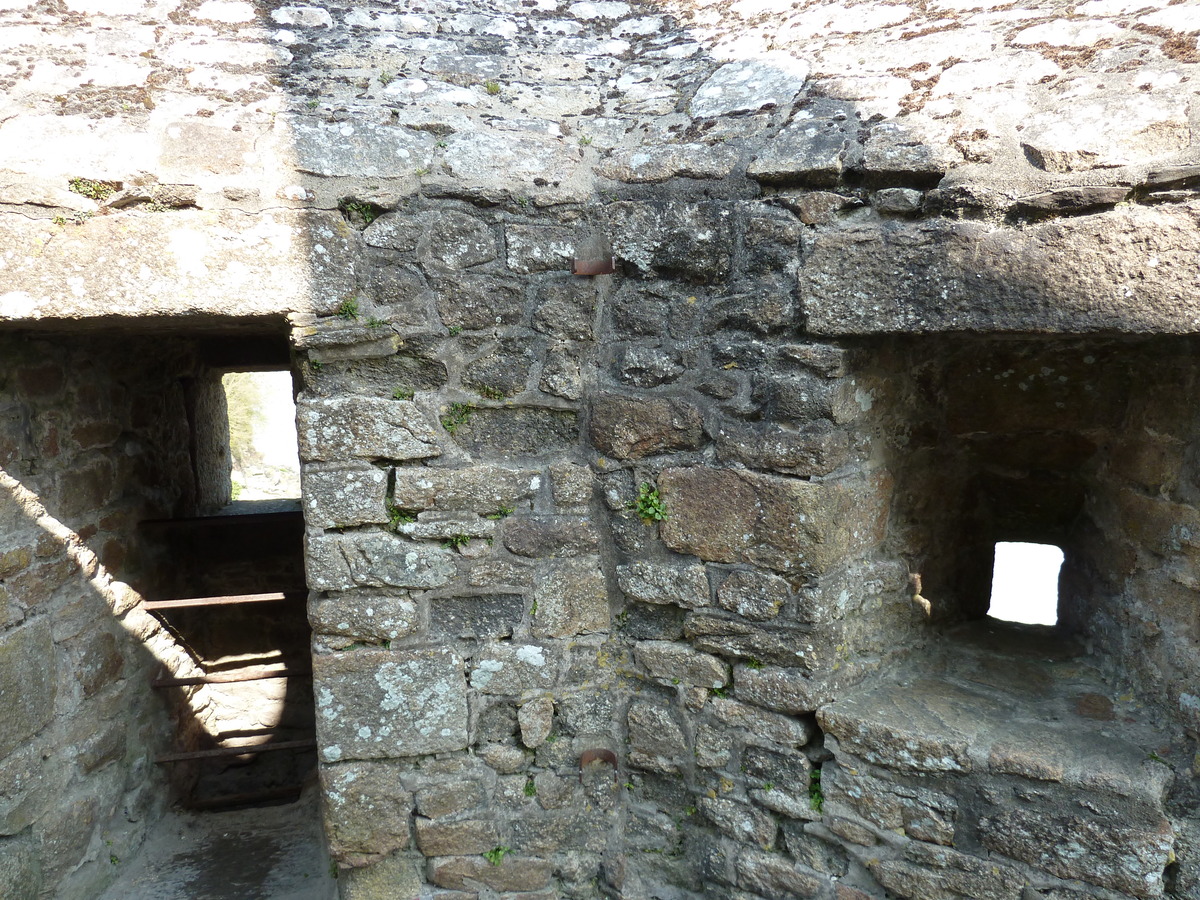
(1025, 583)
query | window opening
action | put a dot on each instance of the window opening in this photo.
(262, 435)
(1025, 583)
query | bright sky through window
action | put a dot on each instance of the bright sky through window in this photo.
(1025, 583)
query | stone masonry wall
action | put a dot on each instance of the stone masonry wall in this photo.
(667, 582)
(94, 438)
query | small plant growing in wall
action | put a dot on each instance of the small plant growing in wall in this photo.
(402, 393)
(456, 541)
(816, 799)
(649, 505)
(347, 309)
(456, 416)
(398, 516)
(359, 213)
(93, 190)
(496, 855)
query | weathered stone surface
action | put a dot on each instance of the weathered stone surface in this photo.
(337, 496)
(1115, 131)
(19, 875)
(449, 798)
(740, 821)
(571, 597)
(899, 730)
(358, 148)
(27, 683)
(674, 663)
(367, 810)
(513, 873)
(365, 427)
(571, 484)
(472, 301)
(456, 241)
(920, 813)
(918, 277)
(760, 726)
(726, 515)
(338, 562)
(373, 704)
(566, 309)
(635, 427)
(539, 248)
(1124, 856)
(656, 741)
(692, 241)
(814, 148)
(651, 164)
(526, 431)
(898, 201)
(817, 449)
(513, 669)
(685, 586)
(442, 838)
(483, 489)
(536, 718)
(495, 164)
(750, 85)
(772, 875)
(754, 595)
(489, 616)
(944, 874)
(543, 536)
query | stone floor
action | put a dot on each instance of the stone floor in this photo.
(266, 853)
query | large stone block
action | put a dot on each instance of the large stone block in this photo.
(926, 728)
(481, 489)
(367, 810)
(364, 427)
(634, 427)
(397, 877)
(1068, 275)
(674, 663)
(519, 431)
(361, 149)
(373, 704)
(656, 741)
(943, 874)
(772, 875)
(1073, 842)
(19, 875)
(370, 616)
(27, 684)
(339, 562)
(514, 668)
(920, 813)
(571, 597)
(688, 240)
(685, 585)
(788, 690)
(436, 837)
(730, 515)
(512, 873)
(344, 495)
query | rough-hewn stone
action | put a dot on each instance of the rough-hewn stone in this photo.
(373, 704)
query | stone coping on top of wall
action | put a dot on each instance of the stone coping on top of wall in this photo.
(136, 139)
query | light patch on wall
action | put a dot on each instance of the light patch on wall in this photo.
(1025, 583)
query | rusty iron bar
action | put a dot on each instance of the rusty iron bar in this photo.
(234, 751)
(231, 600)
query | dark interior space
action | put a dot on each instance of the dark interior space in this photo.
(1086, 443)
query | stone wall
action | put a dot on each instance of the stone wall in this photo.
(94, 438)
(669, 582)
